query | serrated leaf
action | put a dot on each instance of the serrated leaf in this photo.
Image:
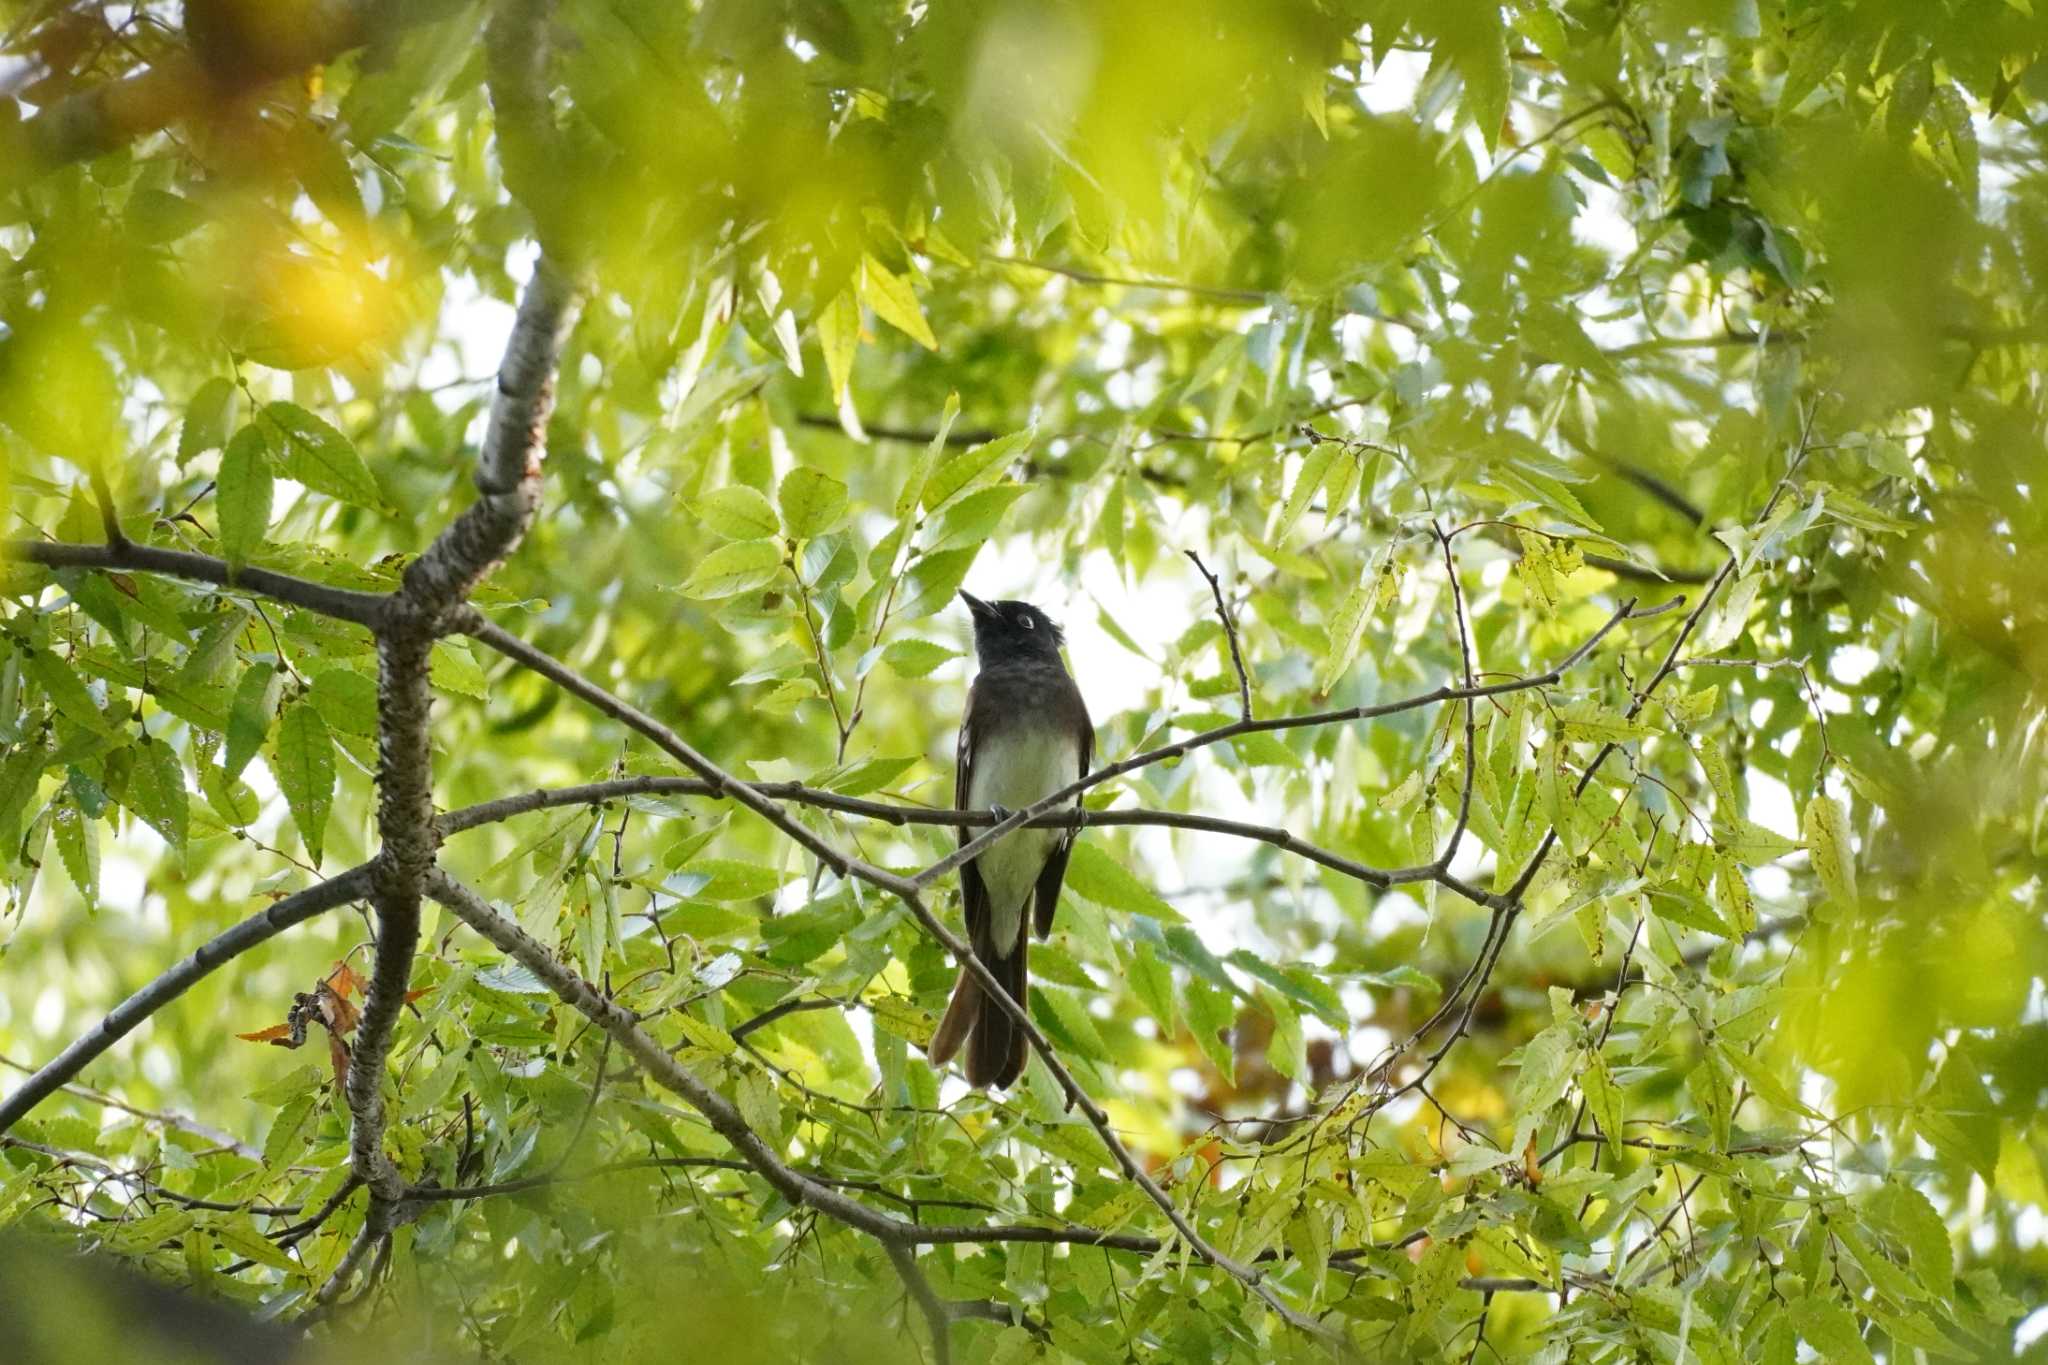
(737, 512)
(1545, 1070)
(1315, 470)
(452, 668)
(156, 791)
(1831, 1330)
(242, 495)
(281, 1144)
(1751, 844)
(1906, 1215)
(839, 338)
(322, 458)
(1152, 979)
(870, 775)
(303, 763)
(912, 492)
(975, 517)
(1827, 843)
(732, 880)
(1713, 1093)
(1347, 628)
(933, 582)
(896, 1015)
(895, 302)
(60, 682)
(346, 700)
(1211, 1015)
(735, 568)
(966, 468)
(208, 415)
(916, 658)
(1067, 1020)
(1603, 1096)
(1732, 895)
(1093, 874)
(78, 845)
(812, 501)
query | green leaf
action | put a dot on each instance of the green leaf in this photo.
(812, 502)
(975, 517)
(916, 658)
(732, 569)
(967, 468)
(1603, 1096)
(78, 844)
(730, 880)
(1315, 470)
(208, 416)
(1732, 895)
(839, 337)
(1211, 1015)
(156, 790)
(1064, 1017)
(1092, 873)
(1714, 1095)
(1545, 1071)
(346, 700)
(912, 491)
(1827, 843)
(1907, 1216)
(281, 1145)
(1152, 980)
(303, 763)
(737, 512)
(1831, 1330)
(894, 302)
(61, 684)
(1347, 628)
(322, 458)
(870, 775)
(933, 582)
(1751, 844)
(242, 493)
(452, 668)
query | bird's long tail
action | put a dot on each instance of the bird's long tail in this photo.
(996, 1047)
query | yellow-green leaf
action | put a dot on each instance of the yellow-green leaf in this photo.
(894, 302)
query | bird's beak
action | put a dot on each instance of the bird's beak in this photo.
(974, 604)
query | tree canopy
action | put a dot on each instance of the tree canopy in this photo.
(1545, 501)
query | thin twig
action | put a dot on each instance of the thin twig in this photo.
(1244, 685)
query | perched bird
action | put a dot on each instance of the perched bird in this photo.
(1026, 734)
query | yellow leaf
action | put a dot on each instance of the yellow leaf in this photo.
(894, 302)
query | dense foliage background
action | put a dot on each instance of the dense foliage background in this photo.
(1441, 330)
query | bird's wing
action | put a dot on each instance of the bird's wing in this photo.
(1054, 872)
(973, 895)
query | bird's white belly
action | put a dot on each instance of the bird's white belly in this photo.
(1015, 770)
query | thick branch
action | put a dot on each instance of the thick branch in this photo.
(363, 608)
(508, 467)
(122, 1019)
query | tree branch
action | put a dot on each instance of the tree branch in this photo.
(273, 920)
(1244, 685)
(508, 479)
(363, 608)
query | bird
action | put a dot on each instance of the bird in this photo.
(1024, 736)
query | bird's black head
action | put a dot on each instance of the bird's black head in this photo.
(1007, 632)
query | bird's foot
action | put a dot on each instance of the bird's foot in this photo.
(1001, 813)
